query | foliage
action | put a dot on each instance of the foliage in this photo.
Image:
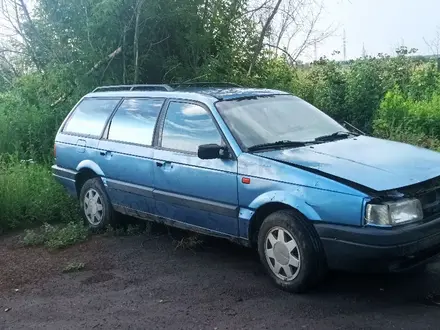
(28, 122)
(56, 237)
(74, 267)
(29, 196)
(398, 112)
(324, 85)
(190, 242)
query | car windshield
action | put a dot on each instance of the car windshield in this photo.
(271, 119)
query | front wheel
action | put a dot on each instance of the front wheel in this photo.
(291, 251)
(95, 205)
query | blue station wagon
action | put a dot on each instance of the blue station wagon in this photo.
(260, 167)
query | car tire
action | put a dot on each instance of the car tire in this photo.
(95, 205)
(291, 251)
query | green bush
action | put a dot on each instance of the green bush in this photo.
(29, 196)
(408, 115)
(31, 113)
(364, 92)
(324, 85)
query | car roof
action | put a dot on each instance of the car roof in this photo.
(195, 93)
(233, 92)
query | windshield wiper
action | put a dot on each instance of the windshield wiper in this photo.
(278, 144)
(335, 136)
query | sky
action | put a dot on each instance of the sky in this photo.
(379, 25)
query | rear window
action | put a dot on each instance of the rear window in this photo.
(90, 116)
(135, 120)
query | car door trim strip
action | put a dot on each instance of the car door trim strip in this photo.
(130, 188)
(197, 203)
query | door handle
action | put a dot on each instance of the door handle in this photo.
(160, 164)
(81, 145)
(105, 153)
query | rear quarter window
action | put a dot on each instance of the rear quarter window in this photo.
(90, 117)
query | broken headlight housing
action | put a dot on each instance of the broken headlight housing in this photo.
(394, 213)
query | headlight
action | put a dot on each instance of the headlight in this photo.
(394, 213)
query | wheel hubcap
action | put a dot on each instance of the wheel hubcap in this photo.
(282, 254)
(93, 207)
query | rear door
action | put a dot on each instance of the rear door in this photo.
(190, 190)
(126, 154)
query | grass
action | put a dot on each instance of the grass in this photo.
(74, 267)
(30, 197)
(191, 242)
(64, 235)
(56, 237)
(138, 227)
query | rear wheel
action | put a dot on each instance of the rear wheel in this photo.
(291, 251)
(95, 205)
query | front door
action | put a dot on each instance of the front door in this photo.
(195, 192)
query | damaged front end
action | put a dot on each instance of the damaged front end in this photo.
(401, 231)
(416, 203)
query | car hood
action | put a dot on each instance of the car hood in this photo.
(370, 162)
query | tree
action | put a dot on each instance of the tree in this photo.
(289, 27)
(263, 33)
(434, 46)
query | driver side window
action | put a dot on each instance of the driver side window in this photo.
(187, 126)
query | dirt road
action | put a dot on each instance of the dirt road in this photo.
(143, 282)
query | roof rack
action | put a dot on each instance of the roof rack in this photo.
(133, 88)
(205, 84)
(160, 87)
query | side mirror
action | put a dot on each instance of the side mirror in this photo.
(212, 151)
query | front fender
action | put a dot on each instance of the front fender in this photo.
(246, 215)
(286, 198)
(316, 205)
(88, 164)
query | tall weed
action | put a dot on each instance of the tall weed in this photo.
(29, 196)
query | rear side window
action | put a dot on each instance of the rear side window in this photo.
(135, 120)
(90, 116)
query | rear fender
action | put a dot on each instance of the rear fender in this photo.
(88, 164)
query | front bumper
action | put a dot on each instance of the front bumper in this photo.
(376, 249)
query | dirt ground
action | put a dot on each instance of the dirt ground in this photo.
(144, 282)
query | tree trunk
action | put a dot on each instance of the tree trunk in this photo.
(263, 35)
(124, 60)
(34, 28)
(107, 58)
(136, 41)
